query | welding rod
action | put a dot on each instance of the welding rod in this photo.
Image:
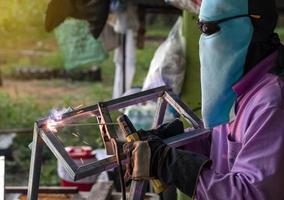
(90, 124)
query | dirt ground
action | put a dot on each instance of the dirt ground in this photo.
(49, 91)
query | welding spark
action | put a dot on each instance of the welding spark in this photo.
(52, 125)
(55, 116)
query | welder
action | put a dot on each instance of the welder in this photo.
(242, 102)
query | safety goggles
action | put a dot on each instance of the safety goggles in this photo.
(211, 27)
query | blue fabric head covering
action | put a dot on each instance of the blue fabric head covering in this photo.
(212, 10)
(223, 57)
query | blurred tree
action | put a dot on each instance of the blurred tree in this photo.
(1, 82)
(21, 19)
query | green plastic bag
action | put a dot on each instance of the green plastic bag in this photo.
(78, 46)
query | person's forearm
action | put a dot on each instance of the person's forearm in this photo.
(233, 186)
(181, 168)
(201, 145)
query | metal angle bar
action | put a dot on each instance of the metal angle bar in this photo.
(128, 102)
(106, 119)
(160, 112)
(185, 138)
(183, 110)
(108, 132)
(59, 151)
(50, 190)
(97, 167)
(89, 124)
(105, 138)
(114, 104)
(35, 165)
(82, 113)
(135, 98)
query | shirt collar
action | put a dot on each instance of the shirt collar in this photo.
(256, 73)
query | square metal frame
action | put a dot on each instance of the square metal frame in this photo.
(42, 137)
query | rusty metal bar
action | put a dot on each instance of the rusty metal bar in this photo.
(105, 137)
(108, 131)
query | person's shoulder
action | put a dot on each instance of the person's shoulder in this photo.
(268, 91)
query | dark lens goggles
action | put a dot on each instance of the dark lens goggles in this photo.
(209, 28)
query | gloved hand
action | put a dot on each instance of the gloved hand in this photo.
(154, 159)
(94, 11)
(164, 131)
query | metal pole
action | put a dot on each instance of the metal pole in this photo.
(138, 190)
(35, 165)
(2, 177)
(124, 62)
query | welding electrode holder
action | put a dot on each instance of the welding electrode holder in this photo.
(131, 135)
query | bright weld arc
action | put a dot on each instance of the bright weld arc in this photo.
(52, 125)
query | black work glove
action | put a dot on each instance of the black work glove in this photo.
(154, 159)
(164, 131)
(94, 11)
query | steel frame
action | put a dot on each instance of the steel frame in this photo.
(2, 177)
(43, 137)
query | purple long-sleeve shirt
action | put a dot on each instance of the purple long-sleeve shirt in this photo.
(248, 153)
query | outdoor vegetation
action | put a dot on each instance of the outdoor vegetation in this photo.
(24, 43)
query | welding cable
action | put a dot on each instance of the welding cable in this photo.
(118, 160)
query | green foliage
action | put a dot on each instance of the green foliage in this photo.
(158, 31)
(53, 60)
(49, 175)
(21, 19)
(18, 113)
(280, 31)
(23, 111)
(14, 114)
